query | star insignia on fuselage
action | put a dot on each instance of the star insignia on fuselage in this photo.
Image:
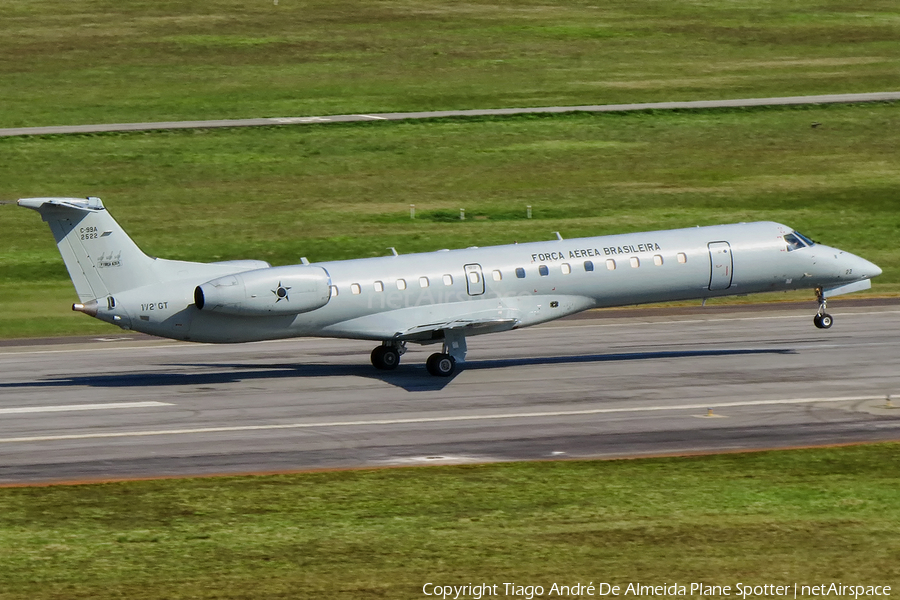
(281, 293)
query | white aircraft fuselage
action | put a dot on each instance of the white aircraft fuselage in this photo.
(434, 297)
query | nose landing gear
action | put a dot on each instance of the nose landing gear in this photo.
(822, 320)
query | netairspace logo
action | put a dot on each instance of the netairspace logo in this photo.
(477, 591)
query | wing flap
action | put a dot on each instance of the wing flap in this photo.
(470, 326)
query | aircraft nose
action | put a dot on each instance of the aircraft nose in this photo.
(865, 269)
(875, 270)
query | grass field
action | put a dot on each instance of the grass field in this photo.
(808, 516)
(343, 191)
(89, 61)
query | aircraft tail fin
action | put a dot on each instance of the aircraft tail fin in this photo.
(102, 260)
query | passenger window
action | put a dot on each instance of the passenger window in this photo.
(635, 262)
(379, 286)
(658, 260)
(543, 270)
(355, 289)
(682, 257)
(610, 264)
(448, 280)
(520, 272)
(497, 275)
(588, 265)
(401, 284)
(566, 268)
(473, 277)
(423, 282)
(334, 291)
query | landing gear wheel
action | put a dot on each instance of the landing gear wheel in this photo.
(385, 358)
(824, 321)
(440, 365)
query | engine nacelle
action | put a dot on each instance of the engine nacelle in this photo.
(263, 292)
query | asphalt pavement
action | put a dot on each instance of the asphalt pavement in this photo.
(399, 116)
(614, 384)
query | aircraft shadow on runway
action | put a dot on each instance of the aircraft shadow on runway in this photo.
(411, 378)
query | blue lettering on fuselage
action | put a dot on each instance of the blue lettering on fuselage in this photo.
(547, 256)
(590, 252)
(632, 249)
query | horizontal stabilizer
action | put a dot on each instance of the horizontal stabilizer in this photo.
(91, 203)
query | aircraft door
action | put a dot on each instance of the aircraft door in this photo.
(721, 266)
(474, 280)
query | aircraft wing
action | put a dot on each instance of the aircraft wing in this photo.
(470, 326)
(425, 323)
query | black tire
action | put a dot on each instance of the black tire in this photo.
(385, 358)
(430, 366)
(441, 365)
(826, 321)
(817, 320)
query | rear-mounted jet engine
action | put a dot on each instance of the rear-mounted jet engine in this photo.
(275, 291)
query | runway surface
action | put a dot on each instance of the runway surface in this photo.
(614, 384)
(269, 121)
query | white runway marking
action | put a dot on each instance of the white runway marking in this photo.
(67, 407)
(527, 415)
(297, 120)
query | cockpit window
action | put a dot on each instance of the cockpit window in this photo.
(808, 241)
(795, 241)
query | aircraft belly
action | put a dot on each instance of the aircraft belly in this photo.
(222, 328)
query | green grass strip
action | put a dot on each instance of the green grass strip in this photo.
(806, 516)
(103, 61)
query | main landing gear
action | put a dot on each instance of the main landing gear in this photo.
(822, 319)
(443, 364)
(387, 356)
(440, 364)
